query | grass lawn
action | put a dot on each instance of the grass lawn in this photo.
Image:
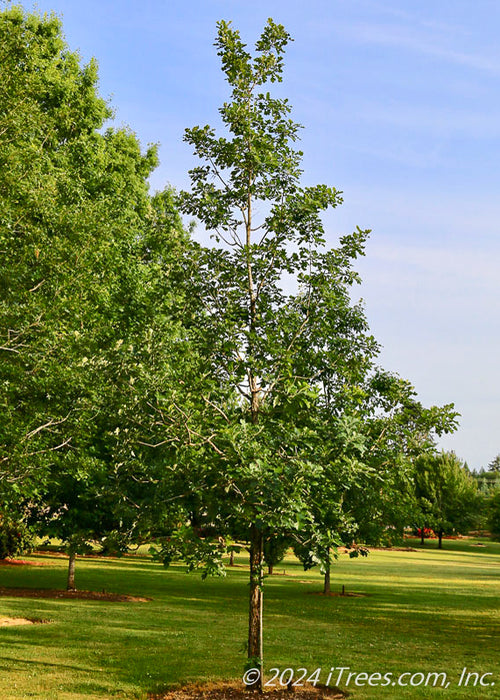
(422, 611)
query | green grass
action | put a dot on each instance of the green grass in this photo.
(423, 611)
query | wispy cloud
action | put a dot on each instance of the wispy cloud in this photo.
(413, 17)
(402, 37)
(422, 37)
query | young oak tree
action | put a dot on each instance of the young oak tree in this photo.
(252, 455)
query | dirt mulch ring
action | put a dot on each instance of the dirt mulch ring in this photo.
(11, 621)
(237, 691)
(22, 562)
(79, 595)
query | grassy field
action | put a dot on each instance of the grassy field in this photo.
(422, 611)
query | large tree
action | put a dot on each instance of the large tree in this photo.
(88, 308)
(72, 201)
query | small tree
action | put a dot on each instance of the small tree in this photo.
(398, 429)
(267, 425)
(493, 507)
(251, 425)
(494, 465)
(275, 549)
(270, 423)
(366, 495)
(446, 493)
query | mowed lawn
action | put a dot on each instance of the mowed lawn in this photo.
(423, 611)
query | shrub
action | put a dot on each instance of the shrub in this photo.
(428, 533)
(15, 537)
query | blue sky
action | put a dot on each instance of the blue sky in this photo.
(400, 102)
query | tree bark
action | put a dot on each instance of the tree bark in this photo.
(440, 539)
(71, 572)
(326, 585)
(255, 657)
(231, 558)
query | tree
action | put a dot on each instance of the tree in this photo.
(72, 200)
(251, 466)
(41, 92)
(282, 349)
(274, 551)
(398, 429)
(488, 482)
(446, 493)
(494, 465)
(79, 511)
(88, 310)
(494, 513)
(382, 432)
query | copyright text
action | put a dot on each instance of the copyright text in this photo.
(345, 676)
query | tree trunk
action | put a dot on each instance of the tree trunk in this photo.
(71, 572)
(422, 535)
(270, 569)
(231, 558)
(255, 608)
(326, 585)
(440, 539)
